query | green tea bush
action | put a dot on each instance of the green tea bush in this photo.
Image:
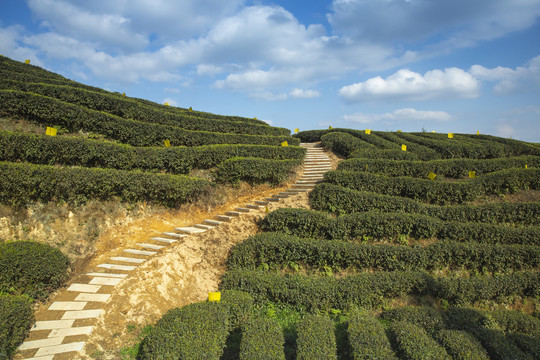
(451, 168)
(498, 346)
(262, 339)
(240, 305)
(337, 199)
(461, 345)
(118, 105)
(49, 112)
(517, 322)
(48, 150)
(196, 331)
(16, 318)
(430, 319)
(527, 343)
(419, 151)
(386, 154)
(21, 184)
(369, 289)
(413, 342)
(32, 268)
(256, 170)
(277, 250)
(376, 225)
(316, 339)
(367, 338)
(344, 144)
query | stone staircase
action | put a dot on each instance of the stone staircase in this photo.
(60, 331)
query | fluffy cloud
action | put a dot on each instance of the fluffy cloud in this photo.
(462, 21)
(304, 94)
(400, 115)
(409, 85)
(522, 78)
(293, 94)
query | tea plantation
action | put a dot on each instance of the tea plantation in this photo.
(389, 263)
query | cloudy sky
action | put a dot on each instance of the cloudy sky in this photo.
(445, 65)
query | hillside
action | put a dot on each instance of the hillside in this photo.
(417, 246)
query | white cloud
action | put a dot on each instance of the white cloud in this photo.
(293, 94)
(400, 115)
(304, 94)
(505, 130)
(522, 78)
(409, 85)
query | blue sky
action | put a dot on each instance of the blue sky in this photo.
(445, 65)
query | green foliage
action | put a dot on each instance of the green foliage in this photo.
(118, 105)
(49, 150)
(256, 170)
(316, 339)
(240, 305)
(337, 199)
(517, 322)
(31, 268)
(367, 338)
(262, 339)
(439, 192)
(16, 318)
(413, 343)
(278, 250)
(21, 184)
(461, 345)
(428, 318)
(376, 225)
(196, 331)
(451, 168)
(344, 144)
(369, 289)
(49, 111)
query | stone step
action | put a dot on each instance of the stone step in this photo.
(271, 199)
(117, 267)
(105, 281)
(107, 275)
(48, 357)
(93, 297)
(190, 230)
(280, 196)
(243, 209)
(81, 330)
(67, 305)
(258, 202)
(140, 252)
(175, 235)
(318, 168)
(87, 288)
(82, 314)
(128, 259)
(212, 222)
(291, 192)
(60, 349)
(203, 227)
(52, 325)
(232, 213)
(163, 240)
(308, 181)
(223, 217)
(304, 186)
(150, 246)
(302, 190)
(36, 344)
(254, 207)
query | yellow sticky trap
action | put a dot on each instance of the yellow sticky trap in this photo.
(255, 118)
(27, 61)
(266, 210)
(190, 109)
(284, 143)
(432, 176)
(366, 167)
(330, 128)
(472, 174)
(525, 166)
(214, 296)
(51, 131)
(450, 135)
(167, 143)
(403, 147)
(399, 131)
(477, 132)
(123, 94)
(368, 131)
(167, 104)
(433, 131)
(296, 130)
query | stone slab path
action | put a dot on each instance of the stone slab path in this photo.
(60, 331)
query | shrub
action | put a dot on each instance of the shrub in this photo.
(498, 346)
(256, 171)
(414, 343)
(16, 318)
(262, 338)
(426, 317)
(367, 338)
(344, 144)
(31, 268)
(239, 304)
(196, 331)
(461, 345)
(21, 184)
(316, 339)
(527, 343)
(517, 322)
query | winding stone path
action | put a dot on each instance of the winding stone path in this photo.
(75, 316)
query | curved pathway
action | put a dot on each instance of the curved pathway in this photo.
(61, 331)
